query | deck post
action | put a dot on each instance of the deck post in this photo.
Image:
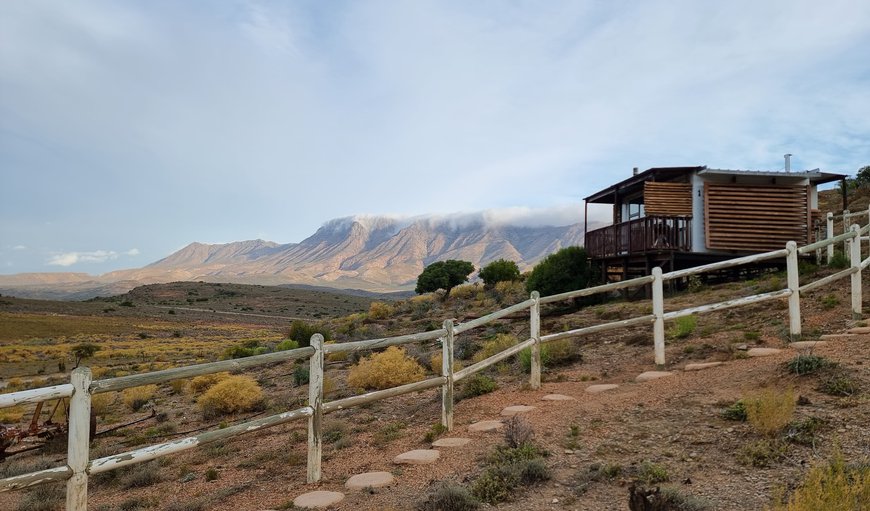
(447, 372)
(535, 334)
(846, 215)
(794, 299)
(855, 256)
(658, 305)
(78, 445)
(830, 219)
(315, 402)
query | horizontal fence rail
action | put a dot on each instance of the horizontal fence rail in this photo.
(79, 391)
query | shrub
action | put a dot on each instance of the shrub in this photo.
(14, 414)
(449, 497)
(804, 432)
(232, 395)
(500, 270)
(211, 474)
(839, 384)
(683, 327)
(137, 397)
(100, 403)
(507, 469)
(770, 411)
(806, 364)
(839, 261)
(384, 370)
(301, 375)
(435, 363)
(145, 475)
(464, 292)
(301, 332)
(45, 497)
(380, 310)
(286, 345)
(434, 432)
(652, 473)
(762, 453)
(510, 292)
(83, 351)
(178, 386)
(830, 302)
(477, 385)
(518, 432)
(553, 354)
(565, 270)
(493, 346)
(735, 412)
(202, 383)
(833, 485)
(443, 275)
(247, 349)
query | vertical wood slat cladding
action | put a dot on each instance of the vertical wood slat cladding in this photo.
(667, 199)
(757, 218)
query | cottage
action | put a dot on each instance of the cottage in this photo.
(678, 217)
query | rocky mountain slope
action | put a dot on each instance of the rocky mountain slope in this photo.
(370, 253)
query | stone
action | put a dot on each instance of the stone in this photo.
(510, 411)
(652, 375)
(369, 480)
(484, 426)
(417, 457)
(451, 442)
(318, 499)
(701, 366)
(827, 337)
(859, 330)
(603, 387)
(557, 397)
(804, 345)
(762, 352)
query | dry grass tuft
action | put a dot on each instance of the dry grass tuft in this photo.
(380, 310)
(770, 411)
(232, 395)
(833, 485)
(384, 370)
(202, 383)
(137, 397)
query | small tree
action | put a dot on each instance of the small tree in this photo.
(443, 275)
(862, 177)
(500, 270)
(83, 351)
(562, 271)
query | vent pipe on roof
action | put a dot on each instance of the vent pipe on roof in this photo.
(788, 162)
(634, 171)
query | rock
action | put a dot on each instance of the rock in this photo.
(763, 352)
(318, 499)
(859, 330)
(803, 345)
(510, 411)
(652, 375)
(741, 347)
(557, 397)
(603, 387)
(485, 426)
(705, 365)
(417, 457)
(451, 442)
(369, 480)
(826, 337)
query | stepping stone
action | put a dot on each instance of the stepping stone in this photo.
(698, 367)
(557, 397)
(826, 337)
(369, 480)
(762, 352)
(803, 345)
(417, 457)
(451, 442)
(859, 330)
(510, 411)
(652, 375)
(318, 499)
(485, 426)
(602, 387)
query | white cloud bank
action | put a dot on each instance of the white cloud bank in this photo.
(96, 256)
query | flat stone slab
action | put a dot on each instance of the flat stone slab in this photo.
(510, 411)
(826, 337)
(701, 366)
(451, 442)
(859, 330)
(804, 345)
(369, 480)
(652, 375)
(557, 397)
(417, 457)
(601, 387)
(318, 499)
(484, 426)
(762, 352)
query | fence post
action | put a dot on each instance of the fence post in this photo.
(830, 235)
(855, 256)
(846, 214)
(78, 447)
(447, 372)
(794, 299)
(315, 401)
(658, 306)
(535, 327)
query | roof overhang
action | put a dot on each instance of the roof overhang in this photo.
(608, 195)
(814, 176)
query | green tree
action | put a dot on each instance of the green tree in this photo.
(443, 275)
(498, 271)
(862, 177)
(83, 351)
(562, 271)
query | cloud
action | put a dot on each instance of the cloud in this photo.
(19, 247)
(71, 258)
(132, 252)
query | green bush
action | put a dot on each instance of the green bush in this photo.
(735, 412)
(839, 261)
(500, 270)
(286, 345)
(301, 332)
(683, 327)
(553, 354)
(477, 385)
(246, 349)
(565, 270)
(449, 497)
(301, 375)
(508, 468)
(443, 275)
(807, 364)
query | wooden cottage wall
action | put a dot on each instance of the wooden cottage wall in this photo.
(667, 199)
(755, 218)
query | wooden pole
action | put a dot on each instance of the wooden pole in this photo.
(658, 300)
(447, 372)
(830, 219)
(535, 327)
(855, 256)
(794, 299)
(78, 446)
(846, 214)
(315, 401)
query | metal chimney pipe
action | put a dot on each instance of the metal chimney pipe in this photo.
(634, 171)
(788, 162)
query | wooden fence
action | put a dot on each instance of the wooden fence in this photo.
(79, 466)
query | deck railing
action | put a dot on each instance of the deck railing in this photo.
(80, 466)
(641, 235)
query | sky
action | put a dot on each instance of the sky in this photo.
(130, 129)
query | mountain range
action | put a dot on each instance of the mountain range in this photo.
(371, 253)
